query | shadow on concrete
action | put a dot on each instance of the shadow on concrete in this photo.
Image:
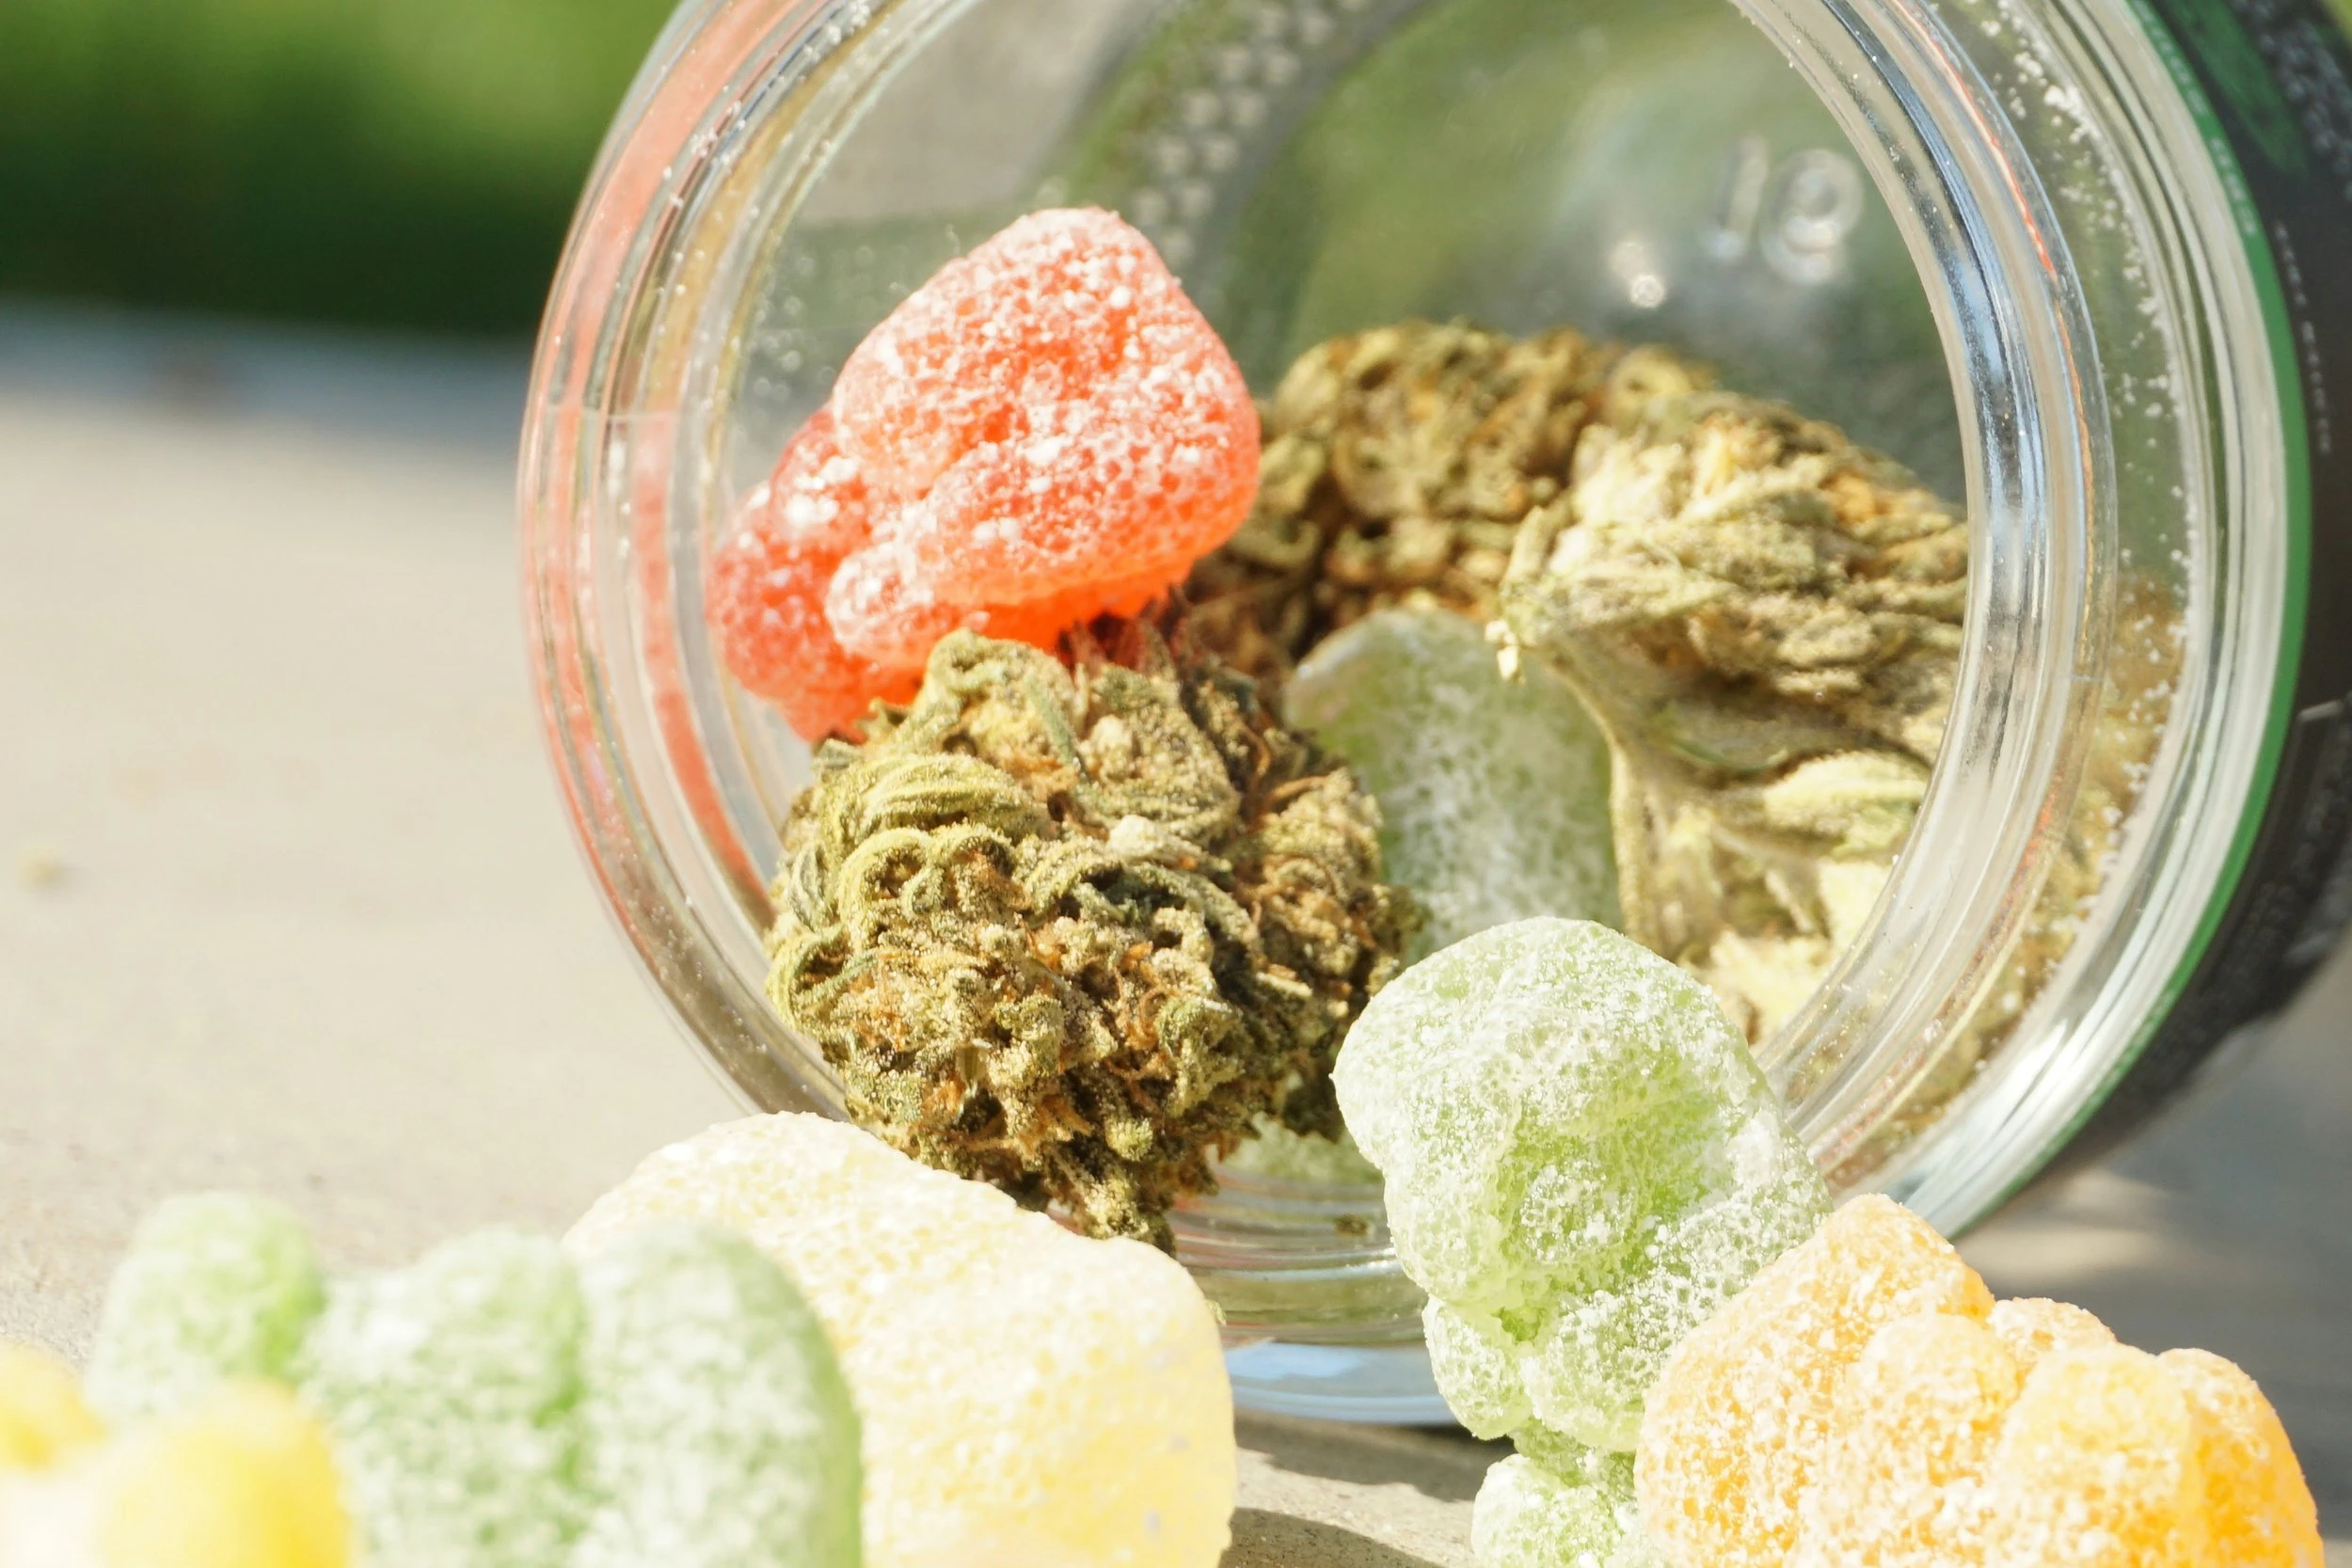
(1264, 1539)
(1446, 1464)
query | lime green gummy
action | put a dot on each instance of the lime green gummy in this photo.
(452, 1389)
(1571, 1508)
(215, 1285)
(1494, 793)
(1581, 1162)
(720, 1429)
(675, 1401)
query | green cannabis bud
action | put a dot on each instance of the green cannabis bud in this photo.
(1070, 930)
(1766, 619)
(1399, 464)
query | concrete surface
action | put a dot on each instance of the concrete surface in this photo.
(286, 904)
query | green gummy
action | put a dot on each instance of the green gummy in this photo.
(720, 1431)
(1580, 1514)
(452, 1389)
(1274, 1152)
(1581, 1162)
(1494, 793)
(215, 1286)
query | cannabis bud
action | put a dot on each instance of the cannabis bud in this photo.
(1766, 619)
(1068, 932)
(1399, 464)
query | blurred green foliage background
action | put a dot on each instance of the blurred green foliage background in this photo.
(395, 163)
(387, 163)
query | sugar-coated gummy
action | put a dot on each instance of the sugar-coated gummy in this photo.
(42, 1415)
(719, 1431)
(1044, 432)
(2030, 1327)
(1494, 793)
(1559, 1504)
(1581, 1160)
(2096, 1467)
(1529, 1516)
(1739, 1423)
(1047, 418)
(1029, 1398)
(765, 595)
(1914, 1421)
(452, 1390)
(215, 1285)
(2259, 1511)
(245, 1479)
(1864, 1404)
(1475, 1361)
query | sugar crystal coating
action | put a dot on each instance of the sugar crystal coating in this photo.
(215, 1286)
(1047, 414)
(1965, 1435)
(1045, 431)
(1581, 1160)
(1913, 1424)
(1027, 1396)
(764, 598)
(1475, 1360)
(452, 1389)
(2259, 1512)
(1494, 793)
(2096, 1467)
(2030, 1327)
(1739, 1423)
(1530, 1515)
(43, 1418)
(719, 1428)
(244, 1480)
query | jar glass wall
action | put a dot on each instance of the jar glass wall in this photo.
(1992, 240)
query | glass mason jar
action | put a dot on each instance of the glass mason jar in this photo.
(2081, 261)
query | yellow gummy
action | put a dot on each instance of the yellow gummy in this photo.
(2259, 1512)
(43, 1418)
(2033, 1326)
(244, 1481)
(1029, 1398)
(2096, 1467)
(1738, 1421)
(1917, 1418)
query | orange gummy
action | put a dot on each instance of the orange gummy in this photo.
(2259, 1512)
(2033, 1326)
(1740, 1422)
(1047, 423)
(765, 595)
(1863, 1404)
(2096, 1467)
(1917, 1419)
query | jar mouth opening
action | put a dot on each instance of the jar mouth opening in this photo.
(666, 380)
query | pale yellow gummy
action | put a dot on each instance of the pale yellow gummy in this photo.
(243, 1481)
(1030, 1399)
(43, 1418)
